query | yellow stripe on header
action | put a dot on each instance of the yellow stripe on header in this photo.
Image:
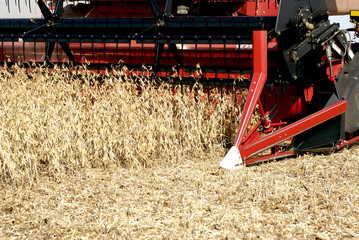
(354, 13)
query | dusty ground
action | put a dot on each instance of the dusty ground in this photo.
(309, 197)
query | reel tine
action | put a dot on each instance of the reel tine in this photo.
(210, 53)
(128, 52)
(59, 8)
(168, 8)
(174, 50)
(49, 48)
(117, 57)
(146, 30)
(92, 49)
(57, 51)
(2, 47)
(159, 50)
(18, 3)
(8, 5)
(44, 10)
(65, 46)
(13, 49)
(104, 52)
(34, 49)
(23, 51)
(80, 49)
(35, 29)
(155, 8)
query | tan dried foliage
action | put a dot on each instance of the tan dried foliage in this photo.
(73, 167)
(310, 197)
(54, 122)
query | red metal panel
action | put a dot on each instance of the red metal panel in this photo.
(121, 8)
(260, 52)
(290, 101)
(258, 80)
(292, 130)
(347, 142)
(218, 55)
(269, 157)
(259, 8)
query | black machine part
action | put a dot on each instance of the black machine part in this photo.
(321, 138)
(325, 136)
(298, 18)
(302, 26)
(348, 88)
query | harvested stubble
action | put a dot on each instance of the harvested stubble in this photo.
(311, 197)
(54, 122)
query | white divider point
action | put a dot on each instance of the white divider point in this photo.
(232, 160)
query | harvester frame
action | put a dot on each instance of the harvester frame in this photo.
(301, 66)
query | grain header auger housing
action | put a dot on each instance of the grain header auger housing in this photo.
(303, 73)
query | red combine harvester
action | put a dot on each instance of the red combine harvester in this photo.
(303, 73)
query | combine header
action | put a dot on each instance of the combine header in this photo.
(303, 73)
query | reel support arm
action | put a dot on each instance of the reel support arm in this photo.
(233, 158)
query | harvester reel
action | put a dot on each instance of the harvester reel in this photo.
(160, 20)
(51, 19)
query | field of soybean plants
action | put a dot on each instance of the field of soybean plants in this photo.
(119, 156)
